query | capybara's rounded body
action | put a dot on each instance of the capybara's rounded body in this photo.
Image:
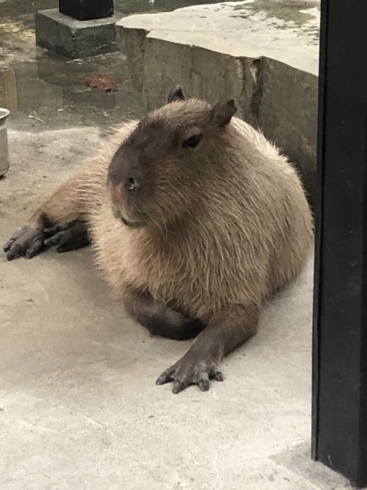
(243, 229)
(195, 219)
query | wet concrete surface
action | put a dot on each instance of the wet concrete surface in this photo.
(42, 89)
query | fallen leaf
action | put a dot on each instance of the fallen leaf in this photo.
(102, 82)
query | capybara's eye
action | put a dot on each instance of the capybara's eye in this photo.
(192, 141)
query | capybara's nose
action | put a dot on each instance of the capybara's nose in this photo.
(128, 182)
(120, 191)
(132, 184)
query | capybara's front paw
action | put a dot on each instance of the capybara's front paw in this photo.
(69, 236)
(27, 241)
(192, 369)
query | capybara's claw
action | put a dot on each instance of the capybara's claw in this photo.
(8, 245)
(14, 251)
(27, 241)
(190, 371)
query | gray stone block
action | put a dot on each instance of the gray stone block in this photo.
(202, 73)
(133, 41)
(75, 39)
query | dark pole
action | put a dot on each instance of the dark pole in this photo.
(86, 9)
(339, 433)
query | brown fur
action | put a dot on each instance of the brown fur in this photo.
(246, 227)
(225, 224)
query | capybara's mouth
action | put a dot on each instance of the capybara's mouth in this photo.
(132, 224)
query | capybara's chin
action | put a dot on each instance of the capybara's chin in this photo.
(132, 219)
(133, 223)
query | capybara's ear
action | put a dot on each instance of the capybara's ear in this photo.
(223, 111)
(175, 94)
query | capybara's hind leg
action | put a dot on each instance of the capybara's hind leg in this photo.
(64, 207)
(159, 319)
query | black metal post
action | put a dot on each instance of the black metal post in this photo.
(339, 434)
(86, 9)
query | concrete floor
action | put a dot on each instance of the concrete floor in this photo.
(79, 408)
(78, 405)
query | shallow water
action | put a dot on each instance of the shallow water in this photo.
(42, 89)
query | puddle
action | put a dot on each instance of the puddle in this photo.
(45, 92)
(146, 6)
(42, 89)
(291, 15)
(297, 12)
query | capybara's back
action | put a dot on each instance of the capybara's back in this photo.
(279, 206)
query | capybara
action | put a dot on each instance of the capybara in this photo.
(195, 218)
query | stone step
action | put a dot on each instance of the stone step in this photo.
(264, 54)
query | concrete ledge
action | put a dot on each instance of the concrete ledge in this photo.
(75, 39)
(267, 60)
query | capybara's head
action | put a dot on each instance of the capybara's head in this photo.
(164, 164)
